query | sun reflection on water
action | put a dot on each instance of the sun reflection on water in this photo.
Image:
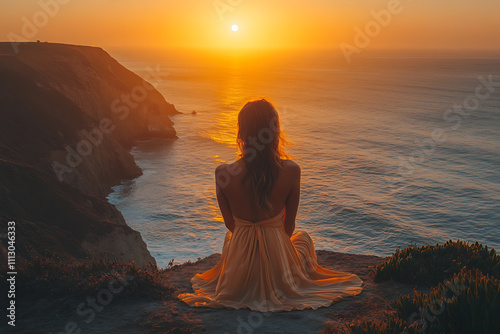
(231, 98)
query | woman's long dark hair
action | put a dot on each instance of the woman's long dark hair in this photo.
(261, 146)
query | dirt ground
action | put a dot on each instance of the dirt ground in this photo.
(174, 316)
(372, 302)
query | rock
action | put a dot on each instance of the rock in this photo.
(69, 116)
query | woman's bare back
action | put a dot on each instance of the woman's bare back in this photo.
(235, 193)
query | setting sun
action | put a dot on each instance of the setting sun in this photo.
(234, 27)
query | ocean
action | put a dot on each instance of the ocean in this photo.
(394, 151)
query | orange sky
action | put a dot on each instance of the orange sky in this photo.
(457, 24)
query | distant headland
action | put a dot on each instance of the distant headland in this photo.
(70, 115)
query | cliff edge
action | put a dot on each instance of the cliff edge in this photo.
(68, 118)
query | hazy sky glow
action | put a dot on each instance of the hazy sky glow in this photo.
(427, 24)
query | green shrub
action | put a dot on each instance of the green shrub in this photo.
(468, 303)
(430, 265)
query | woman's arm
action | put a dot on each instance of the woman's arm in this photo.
(292, 200)
(224, 207)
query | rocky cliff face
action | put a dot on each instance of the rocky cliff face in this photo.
(68, 117)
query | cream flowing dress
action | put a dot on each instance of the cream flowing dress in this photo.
(263, 269)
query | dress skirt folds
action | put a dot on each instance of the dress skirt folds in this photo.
(263, 269)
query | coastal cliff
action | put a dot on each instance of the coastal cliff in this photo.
(68, 118)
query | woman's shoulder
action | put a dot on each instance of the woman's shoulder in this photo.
(290, 172)
(290, 165)
(229, 167)
(287, 165)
